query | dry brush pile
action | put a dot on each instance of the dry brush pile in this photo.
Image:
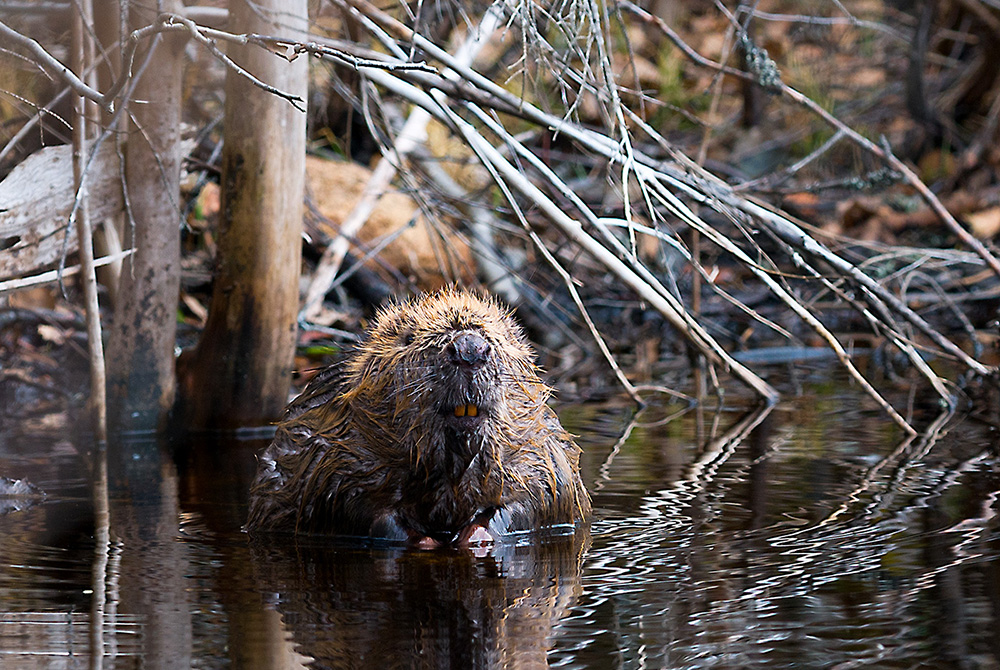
(587, 177)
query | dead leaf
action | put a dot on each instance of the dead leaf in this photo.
(958, 203)
(206, 207)
(43, 297)
(626, 69)
(51, 334)
(803, 204)
(868, 77)
(199, 311)
(936, 165)
(984, 223)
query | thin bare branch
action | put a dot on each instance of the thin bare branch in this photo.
(883, 153)
(52, 65)
(53, 275)
(98, 392)
(412, 135)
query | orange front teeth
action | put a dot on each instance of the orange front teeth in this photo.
(466, 410)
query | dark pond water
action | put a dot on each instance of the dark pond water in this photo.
(814, 536)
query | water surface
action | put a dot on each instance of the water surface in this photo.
(813, 536)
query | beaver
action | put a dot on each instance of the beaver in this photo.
(434, 430)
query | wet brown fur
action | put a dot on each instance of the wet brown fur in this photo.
(372, 446)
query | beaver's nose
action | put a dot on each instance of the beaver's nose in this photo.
(469, 349)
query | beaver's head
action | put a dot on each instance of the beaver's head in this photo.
(445, 367)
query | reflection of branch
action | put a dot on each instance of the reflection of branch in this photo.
(854, 495)
(604, 472)
(717, 451)
(99, 576)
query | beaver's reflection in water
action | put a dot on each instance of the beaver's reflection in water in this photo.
(378, 607)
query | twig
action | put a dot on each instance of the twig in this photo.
(53, 275)
(949, 302)
(25, 128)
(98, 394)
(795, 236)
(110, 128)
(874, 293)
(706, 189)
(662, 301)
(412, 135)
(601, 225)
(52, 65)
(565, 276)
(883, 153)
(290, 50)
(674, 205)
(896, 337)
(689, 257)
(610, 149)
(831, 21)
(207, 36)
(646, 175)
(166, 23)
(696, 223)
(716, 193)
(679, 42)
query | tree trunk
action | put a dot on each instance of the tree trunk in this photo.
(142, 335)
(239, 374)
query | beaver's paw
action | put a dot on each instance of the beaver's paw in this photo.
(474, 535)
(424, 542)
